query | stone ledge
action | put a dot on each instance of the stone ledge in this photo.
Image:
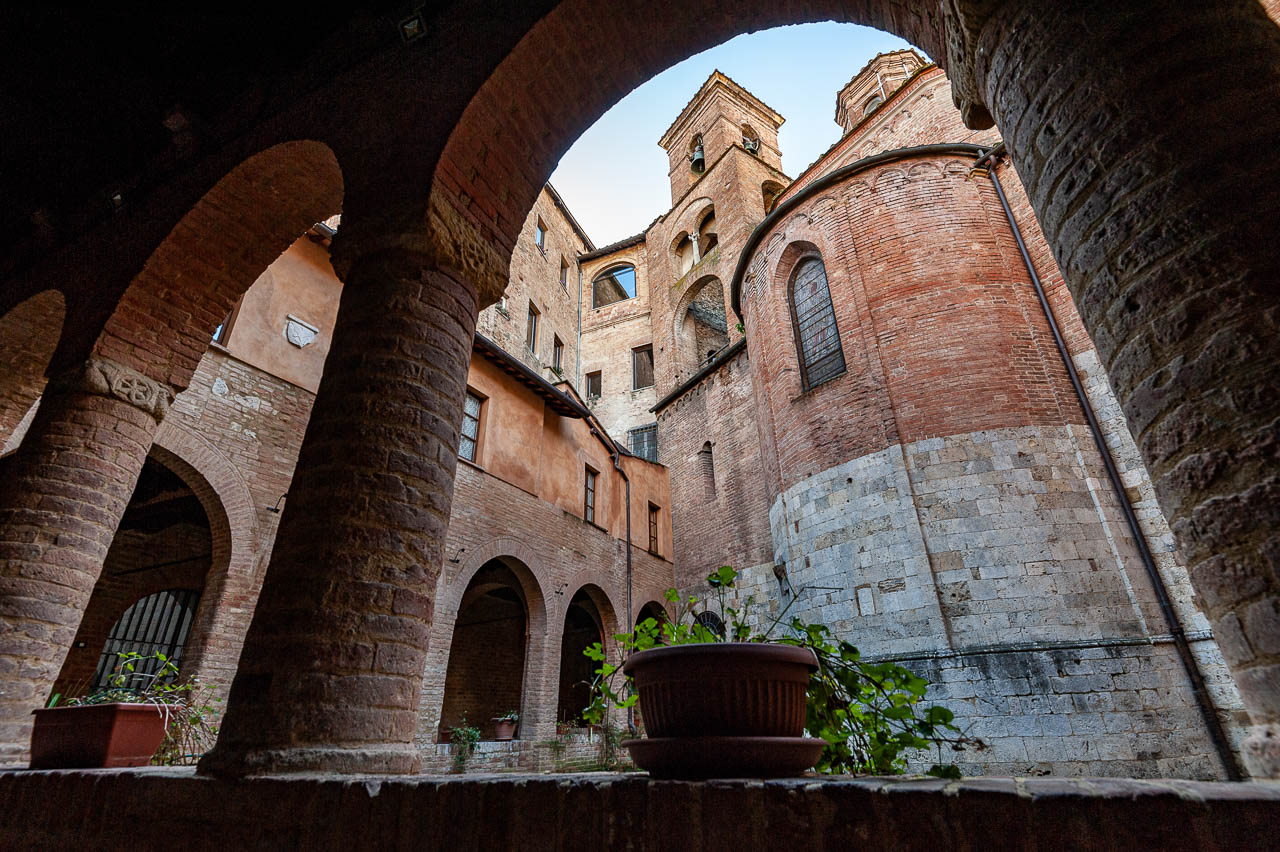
(158, 808)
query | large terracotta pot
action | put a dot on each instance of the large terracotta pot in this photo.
(722, 710)
(96, 736)
(505, 730)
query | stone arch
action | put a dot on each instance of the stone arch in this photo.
(230, 591)
(29, 334)
(163, 321)
(770, 191)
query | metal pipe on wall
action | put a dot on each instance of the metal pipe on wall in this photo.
(1203, 700)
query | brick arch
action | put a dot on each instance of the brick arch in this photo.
(230, 589)
(542, 636)
(597, 586)
(478, 155)
(684, 339)
(162, 324)
(29, 334)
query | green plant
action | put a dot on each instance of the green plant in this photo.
(464, 738)
(189, 706)
(510, 716)
(869, 714)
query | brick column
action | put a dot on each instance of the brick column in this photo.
(1145, 139)
(332, 666)
(62, 494)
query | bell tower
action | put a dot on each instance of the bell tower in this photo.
(721, 115)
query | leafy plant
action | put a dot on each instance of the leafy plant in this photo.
(464, 738)
(869, 714)
(510, 716)
(189, 706)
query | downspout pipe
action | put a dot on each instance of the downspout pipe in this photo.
(617, 465)
(989, 160)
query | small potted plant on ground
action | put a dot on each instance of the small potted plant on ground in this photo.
(127, 721)
(729, 703)
(506, 725)
(464, 738)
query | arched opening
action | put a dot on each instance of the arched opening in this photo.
(615, 284)
(750, 139)
(813, 321)
(707, 470)
(28, 337)
(769, 192)
(702, 329)
(653, 610)
(583, 626)
(708, 236)
(485, 675)
(151, 582)
(686, 253)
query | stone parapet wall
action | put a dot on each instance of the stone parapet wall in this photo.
(95, 810)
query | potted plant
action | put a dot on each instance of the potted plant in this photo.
(464, 738)
(127, 721)
(506, 725)
(731, 703)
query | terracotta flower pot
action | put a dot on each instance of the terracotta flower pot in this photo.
(506, 730)
(96, 736)
(723, 710)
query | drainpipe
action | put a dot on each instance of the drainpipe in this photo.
(1203, 699)
(577, 383)
(617, 465)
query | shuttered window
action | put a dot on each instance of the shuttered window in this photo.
(470, 427)
(817, 338)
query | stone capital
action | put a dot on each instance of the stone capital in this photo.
(104, 377)
(448, 242)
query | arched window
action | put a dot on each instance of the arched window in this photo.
(708, 468)
(156, 623)
(817, 338)
(871, 105)
(613, 285)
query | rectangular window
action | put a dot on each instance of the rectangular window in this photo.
(540, 235)
(589, 497)
(642, 367)
(531, 337)
(564, 273)
(223, 330)
(502, 304)
(594, 383)
(557, 353)
(644, 442)
(470, 427)
(653, 529)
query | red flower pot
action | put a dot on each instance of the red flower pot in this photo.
(732, 709)
(505, 730)
(96, 736)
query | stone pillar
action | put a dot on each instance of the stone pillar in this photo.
(62, 495)
(332, 666)
(1152, 169)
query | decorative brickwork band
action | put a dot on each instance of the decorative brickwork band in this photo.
(105, 377)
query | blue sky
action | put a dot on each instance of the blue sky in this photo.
(614, 178)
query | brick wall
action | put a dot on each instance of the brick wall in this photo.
(28, 335)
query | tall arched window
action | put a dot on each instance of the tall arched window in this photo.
(814, 320)
(708, 466)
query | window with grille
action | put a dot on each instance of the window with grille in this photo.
(653, 529)
(589, 497)
(642, 367)
(644, 442)
(814, 319)
(557, 353)
(531, 335)
(470, 427)
(595, 382)
(156, 623)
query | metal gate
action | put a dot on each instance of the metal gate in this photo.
(158, 622)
